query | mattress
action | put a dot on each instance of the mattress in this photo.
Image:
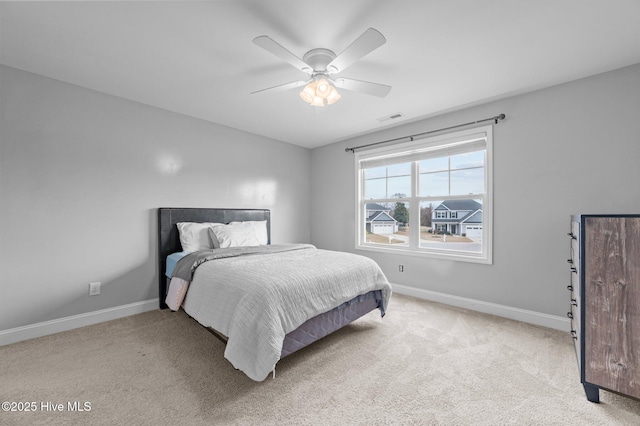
(172, 261)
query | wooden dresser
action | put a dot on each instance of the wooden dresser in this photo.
(605, 302)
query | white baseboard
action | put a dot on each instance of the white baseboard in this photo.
(531, 317)
(40, 329)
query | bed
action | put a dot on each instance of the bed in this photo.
(247, 281)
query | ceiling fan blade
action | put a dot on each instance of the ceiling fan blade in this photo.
(375, 89)
(369, 41)
(271, 46)
(282, 87)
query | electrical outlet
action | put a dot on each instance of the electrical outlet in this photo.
(94, 288)
(401, 268)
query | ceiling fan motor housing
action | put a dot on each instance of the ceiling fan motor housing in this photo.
(319, 59)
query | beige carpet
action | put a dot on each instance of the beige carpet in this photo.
(424, 363)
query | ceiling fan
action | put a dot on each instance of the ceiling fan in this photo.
(322, 65)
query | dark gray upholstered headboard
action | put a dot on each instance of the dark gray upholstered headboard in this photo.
(169, 240)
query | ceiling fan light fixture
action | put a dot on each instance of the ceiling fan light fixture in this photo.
(319, 92)
(323, 88)
(317, 101)
(333, 97)
(309, 92)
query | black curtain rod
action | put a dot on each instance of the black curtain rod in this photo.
(412, 137)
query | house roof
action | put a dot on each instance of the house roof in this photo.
(377, 207)
(380, 217)
(474, 217)
(453, 205)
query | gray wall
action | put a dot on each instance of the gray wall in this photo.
(81, 174)
(572, 148)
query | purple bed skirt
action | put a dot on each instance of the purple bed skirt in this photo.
(324, 324)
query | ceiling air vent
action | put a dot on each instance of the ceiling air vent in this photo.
(391, 117)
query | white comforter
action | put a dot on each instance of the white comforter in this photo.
(256, 300)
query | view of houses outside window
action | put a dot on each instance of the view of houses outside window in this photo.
(442, 223)
(428, 199)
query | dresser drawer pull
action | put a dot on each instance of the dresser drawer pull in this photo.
(574, 302)
(570, 315)
(570, 287)
(574, 334)
(573, 237)
(573, 269)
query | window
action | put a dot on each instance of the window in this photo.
(430, 197)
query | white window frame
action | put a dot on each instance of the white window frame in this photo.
(445, 142)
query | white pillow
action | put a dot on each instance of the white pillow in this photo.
(194, 236)
(235, 235)
(260, 228)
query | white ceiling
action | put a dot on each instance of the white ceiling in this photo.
(198, 59)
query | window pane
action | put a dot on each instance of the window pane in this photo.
(469, 181)
(375, 172)
(387, 224)
(468, 159)
(451, 225)
(434, 184)
(393, 181)
(434, 164)
(403, 169)
(375, 188)
(399, 187)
